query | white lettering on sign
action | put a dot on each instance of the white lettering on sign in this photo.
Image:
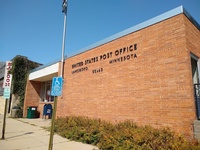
(7, 76)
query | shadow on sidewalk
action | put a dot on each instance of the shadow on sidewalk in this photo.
(18, 135)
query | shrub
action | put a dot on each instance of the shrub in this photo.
(123, 136)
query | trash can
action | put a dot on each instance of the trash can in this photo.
(31, 112)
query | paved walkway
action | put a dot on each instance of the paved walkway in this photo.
(29, 134)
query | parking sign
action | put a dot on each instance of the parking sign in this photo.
(56, 88)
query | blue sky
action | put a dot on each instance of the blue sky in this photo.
(33, 28)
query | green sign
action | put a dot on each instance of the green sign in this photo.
(6, 93)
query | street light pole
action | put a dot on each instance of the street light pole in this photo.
(64, 10)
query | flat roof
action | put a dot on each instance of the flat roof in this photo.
(157, 19)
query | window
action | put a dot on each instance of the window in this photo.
(195, 68)
(46, 92)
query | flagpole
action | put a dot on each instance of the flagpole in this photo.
(64, 10)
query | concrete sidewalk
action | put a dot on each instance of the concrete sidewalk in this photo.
(29, 134)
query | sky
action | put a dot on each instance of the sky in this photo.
(34, 28)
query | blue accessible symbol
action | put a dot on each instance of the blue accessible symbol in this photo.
(56, 89)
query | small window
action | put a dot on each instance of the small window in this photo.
(194, 71)
(46, 92)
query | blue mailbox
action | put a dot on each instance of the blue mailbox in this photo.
(47, 110)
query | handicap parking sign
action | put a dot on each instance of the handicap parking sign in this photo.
(56, 88)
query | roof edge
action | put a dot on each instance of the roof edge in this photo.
(187, 14)
(46, 65)
(157, 19)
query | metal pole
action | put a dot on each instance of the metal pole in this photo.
(4, 120)
(64, 10)
(64, 35)
(52, 124)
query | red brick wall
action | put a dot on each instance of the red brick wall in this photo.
(32, 95)
(153, 89)
(192, 36)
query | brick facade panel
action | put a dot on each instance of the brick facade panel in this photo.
(154, 88)
(149, 81)
(32, 95)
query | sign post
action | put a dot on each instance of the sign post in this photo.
(56, 90)
(4, 120)
(6, 93)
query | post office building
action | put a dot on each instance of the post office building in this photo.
(148, 74)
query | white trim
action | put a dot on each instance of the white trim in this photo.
(52, 69)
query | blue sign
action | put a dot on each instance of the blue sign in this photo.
(56, 88)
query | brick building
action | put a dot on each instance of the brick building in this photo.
(145, 74)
